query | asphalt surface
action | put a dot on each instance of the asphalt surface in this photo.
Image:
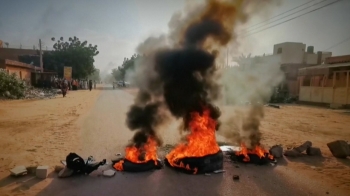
(104, 134)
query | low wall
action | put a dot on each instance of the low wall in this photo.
(340, 95)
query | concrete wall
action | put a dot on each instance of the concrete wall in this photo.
(325, 95)
(310, 58)
(292, 53)
(325, 55)
(325, 89)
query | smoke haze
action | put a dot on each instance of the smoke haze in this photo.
(178, 74)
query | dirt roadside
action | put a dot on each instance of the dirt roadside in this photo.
(294, 124)
(40, 132)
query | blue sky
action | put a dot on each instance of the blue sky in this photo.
(117, 26)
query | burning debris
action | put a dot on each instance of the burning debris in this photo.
(201, 153)
(181, 80)
(257, 155)
(139, 158)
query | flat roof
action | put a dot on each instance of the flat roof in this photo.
(320, 69)
(326, 66)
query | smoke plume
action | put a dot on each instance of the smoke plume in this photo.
(246, 88)
(177, 72)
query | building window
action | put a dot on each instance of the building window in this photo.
(279, 50)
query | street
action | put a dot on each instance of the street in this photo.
(103, 134)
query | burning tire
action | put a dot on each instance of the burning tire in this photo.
(129, 166)
(199, 165)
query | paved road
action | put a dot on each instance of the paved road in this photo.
(104, 133)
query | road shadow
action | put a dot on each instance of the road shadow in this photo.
(317, 161)
(20, 183)
(282, 161)
(158, 182)
(345, 161)
(108, 88)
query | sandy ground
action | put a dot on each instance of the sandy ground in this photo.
(45, 131)
(293, 124)
(40, 132)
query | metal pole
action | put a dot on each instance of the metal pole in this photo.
(227, 57)
(41, 57)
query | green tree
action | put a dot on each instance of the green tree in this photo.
(95, 75)
(72, 53)
(127, 65)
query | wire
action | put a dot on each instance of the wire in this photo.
(294, 18)
(278, 15)
(339, 43)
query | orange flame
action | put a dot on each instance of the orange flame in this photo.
(148, 151)
(258, 150)
(200, 142)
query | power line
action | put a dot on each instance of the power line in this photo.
(282, 14)
(339, 43)
(337, 1)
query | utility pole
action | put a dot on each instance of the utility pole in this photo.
(227, 57)
(41, 57)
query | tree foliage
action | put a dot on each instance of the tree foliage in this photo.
(128, 64)
(11, 86)
(72, 53)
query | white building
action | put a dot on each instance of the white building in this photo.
(291, 56)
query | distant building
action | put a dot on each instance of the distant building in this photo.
(291, 56)
(22, 70)
(327, 83)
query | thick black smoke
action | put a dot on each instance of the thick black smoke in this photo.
(181, 79)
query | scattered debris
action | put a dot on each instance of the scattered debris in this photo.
(303, 147)
(339, 148)
(235, 177)
(274, 106)
(292, 153)
(230, 148)
(19, 171)
(276, 151)
(219, 171)
(207, 174)
(313, 167)
(109, 173)
(313, 151)
(35, 93)
(58, 168)
(236, 166)
(65, 172)
(118, 154)
(42, 172)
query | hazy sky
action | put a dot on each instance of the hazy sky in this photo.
(117, 26)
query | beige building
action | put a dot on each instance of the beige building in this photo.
(327, 83)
